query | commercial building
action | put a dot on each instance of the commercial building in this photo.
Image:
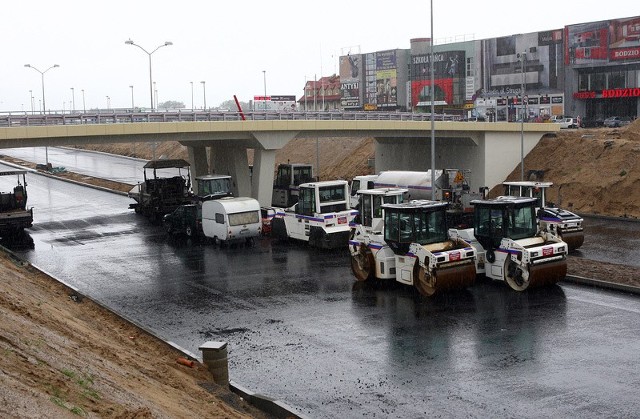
(590, 70)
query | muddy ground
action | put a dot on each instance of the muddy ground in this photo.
(68, 357)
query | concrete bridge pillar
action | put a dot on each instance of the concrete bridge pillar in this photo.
(232, 160)
(264, 163)
(199, 164)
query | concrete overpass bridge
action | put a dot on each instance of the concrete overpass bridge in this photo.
(217, 142)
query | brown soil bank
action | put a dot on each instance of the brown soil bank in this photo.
(594, 171)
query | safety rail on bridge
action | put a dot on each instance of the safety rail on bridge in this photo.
(18, 120)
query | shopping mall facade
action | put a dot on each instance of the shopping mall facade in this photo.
(590, 70)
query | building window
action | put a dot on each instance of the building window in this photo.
(617, 80)
(470, 72)
(583, 82)
(598, 81)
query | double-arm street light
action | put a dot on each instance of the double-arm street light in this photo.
(44, 106)
(166, 44)
(204, 95)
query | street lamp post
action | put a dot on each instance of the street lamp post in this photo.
(44, 106)
(523, 59)
(108, 102)
(204, 95)
(84, 108)
(264, 76)
(31, 98)
(166, 44)
(191, 96)
(132, 103)
(73, 99)
(433, 125)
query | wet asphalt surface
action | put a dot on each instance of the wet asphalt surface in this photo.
(301, 330)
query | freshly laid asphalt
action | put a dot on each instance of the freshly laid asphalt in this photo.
(301, 330)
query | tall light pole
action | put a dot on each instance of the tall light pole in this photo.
(433, 124)
(264, 76)
(73, 99)
(31, 98)
(204, 95)
(191, 96)
(166, 44)
(523, 59)
(132, 104)
(84, 108)
(44, 106)
(108, 102)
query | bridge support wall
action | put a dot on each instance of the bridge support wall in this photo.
(198, 162)
(232, 160)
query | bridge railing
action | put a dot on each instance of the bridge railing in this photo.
(19, 120)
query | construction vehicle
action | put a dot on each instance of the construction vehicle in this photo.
(511, 247)
(321, 216)
(187, 218)
(562, 223)
(157, 195)
(413, 247)
(14, 214)
(286, 183)
(452, 185)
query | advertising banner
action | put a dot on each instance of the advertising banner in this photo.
(386, 79)
(445, 65)
(350, 77)
(598, 43)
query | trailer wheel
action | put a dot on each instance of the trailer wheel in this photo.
(423, 281)
(363, 264)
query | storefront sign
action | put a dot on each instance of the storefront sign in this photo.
(608, 93)
(615, 93)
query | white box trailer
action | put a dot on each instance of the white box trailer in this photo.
(231, 219)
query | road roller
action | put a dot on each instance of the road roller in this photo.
(511, 247)
(410, 243)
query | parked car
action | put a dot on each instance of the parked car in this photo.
(616, 121)
(567, 122)
(591, 123)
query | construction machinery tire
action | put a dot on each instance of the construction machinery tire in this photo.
(535, 276)
(279, 229)
(573, 239)
(363, 264)
(444, 279)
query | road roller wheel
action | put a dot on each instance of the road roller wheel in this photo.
(515, 276)
(363, 264)
(424, 283)
(573, 239)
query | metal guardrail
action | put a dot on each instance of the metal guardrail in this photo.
(21, 120)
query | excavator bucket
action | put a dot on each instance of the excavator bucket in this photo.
(573, 239)
(445, 279)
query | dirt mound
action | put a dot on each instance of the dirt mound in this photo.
(594, 171)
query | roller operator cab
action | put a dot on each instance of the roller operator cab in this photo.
(321, 216)
(414, 248)
(511, 247)
(562, 223)
(286, 184)
(213, 187)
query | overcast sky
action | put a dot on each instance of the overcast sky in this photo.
(228, 44)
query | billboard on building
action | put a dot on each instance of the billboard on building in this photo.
(278, 103)
(386, 79)
(606, 42)
(448, 71)
(350, 79)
